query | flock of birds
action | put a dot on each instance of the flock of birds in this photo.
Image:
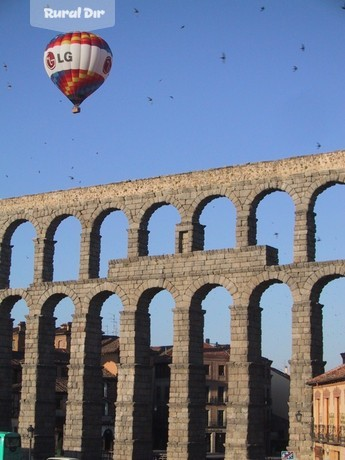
(223, 59)
(150, 100)
(70, 177)
(9, 86)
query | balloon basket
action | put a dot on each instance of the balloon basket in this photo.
(76, 109)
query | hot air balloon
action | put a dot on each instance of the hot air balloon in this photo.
(78, 63)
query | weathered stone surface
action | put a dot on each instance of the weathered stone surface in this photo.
(188, 275)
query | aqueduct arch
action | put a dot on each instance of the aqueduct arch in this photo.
(242, 269)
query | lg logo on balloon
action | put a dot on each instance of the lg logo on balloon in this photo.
(67, 57)
(107, 65)
(50, 60)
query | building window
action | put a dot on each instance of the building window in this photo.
(207, 369)
(106, 408)
(220, 418)
(208, 442)
(336, 416)
(108, 438)
(326, 413)
(318, 412)
(221, 370)
(105, 390)
(207, 394)
(220, 442)
(207, 418)
(221, 394)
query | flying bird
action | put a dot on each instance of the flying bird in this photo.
(182, 27)
(302, 47)
(223, 57)
(136, 11)
(5, 66)
(318, 145)
(149, 99)
(262, 8)
(294, 68)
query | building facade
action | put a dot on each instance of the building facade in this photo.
(329, 414)
(109, 363)
(216, 359)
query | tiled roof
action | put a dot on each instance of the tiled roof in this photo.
(334, 375)
(61, 385)
(216, 347)
(216, 351)
(162, 349)
(17, 362)
(110, 345)
(107, 374)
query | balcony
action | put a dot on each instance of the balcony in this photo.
(216, 426)
(330, 434)
(217, 401)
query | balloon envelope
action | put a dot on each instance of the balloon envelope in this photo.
(78, 63)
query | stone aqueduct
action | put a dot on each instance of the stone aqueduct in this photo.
(188, 274)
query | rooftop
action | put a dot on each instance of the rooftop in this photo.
(334, 375)
(110, 344)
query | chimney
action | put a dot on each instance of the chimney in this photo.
(207, 341)
(343, 357)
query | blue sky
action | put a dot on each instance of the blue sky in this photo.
(205, 113)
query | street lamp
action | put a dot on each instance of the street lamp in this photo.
(31, 431)
(298, 416)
